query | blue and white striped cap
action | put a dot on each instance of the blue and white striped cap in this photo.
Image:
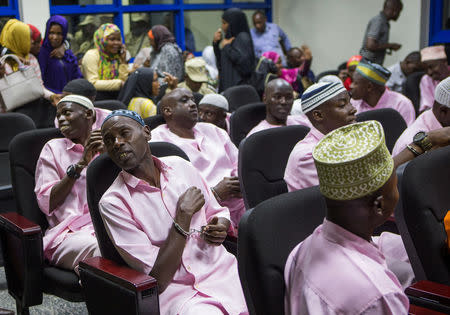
(319, 93)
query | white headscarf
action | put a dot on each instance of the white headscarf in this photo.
(210, 59)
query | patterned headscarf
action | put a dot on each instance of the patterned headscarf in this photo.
(16, 37)
(109, 64)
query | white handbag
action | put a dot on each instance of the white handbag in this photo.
(19, 87)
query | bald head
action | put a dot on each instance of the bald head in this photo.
(276, 85)
(178, 108)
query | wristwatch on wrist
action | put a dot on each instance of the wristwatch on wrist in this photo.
(421, 139)
(74, 171)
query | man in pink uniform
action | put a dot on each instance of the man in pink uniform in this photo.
(61, 184)
(327, 106)
(208, 147)
(279, 97)
(338, 269)
(435, 118)
(437, 69)
(369, 92)
(165, 222)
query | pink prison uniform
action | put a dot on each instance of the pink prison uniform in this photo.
(425, 122)
(70, 235)
(213, 154)
(427, 86)
(138, 218)
(363, 285)
(300, 170)
(389, 99)
(291, 120)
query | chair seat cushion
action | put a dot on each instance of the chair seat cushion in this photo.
(62, 283)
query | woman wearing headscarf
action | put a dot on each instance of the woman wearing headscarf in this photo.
(166, 56)
(105, 66)
(15, 39)
(140, 91)
(236, 59)
(36, 40)
(56, 72)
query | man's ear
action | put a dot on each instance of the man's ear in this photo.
(378, 206)
(317, 115)
(147, 132)
(88, 114)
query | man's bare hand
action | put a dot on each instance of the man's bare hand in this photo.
(228, 188)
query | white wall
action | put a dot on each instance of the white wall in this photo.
(35, 12)
(334, 30)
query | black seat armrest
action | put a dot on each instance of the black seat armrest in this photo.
(111, 288)
(23, 255)
(433, 295)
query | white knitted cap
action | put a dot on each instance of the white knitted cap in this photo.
(442, 92)
(215, 100)
(330, 78)
(78, 99)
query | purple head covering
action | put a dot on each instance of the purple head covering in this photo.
(55, 73)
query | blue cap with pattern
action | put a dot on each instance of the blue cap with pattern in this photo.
(127, 113)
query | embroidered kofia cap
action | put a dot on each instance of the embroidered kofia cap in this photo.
(442, 92)
(433, 53)
(353, 161)
(319, 93)
(373, 72)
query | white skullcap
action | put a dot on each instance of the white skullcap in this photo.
(215, 100)
(442, 92)
(330, 78)
(78, 99)
(297, 107)
(319, 93)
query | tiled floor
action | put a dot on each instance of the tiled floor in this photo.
(51, 305)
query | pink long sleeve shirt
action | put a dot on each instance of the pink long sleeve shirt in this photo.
(291, 120)
(73, 214)
(138, 218)
(425, 122)
(300, 170)
(389, 99)
(336, 272)
(427, 86)
(212, 153)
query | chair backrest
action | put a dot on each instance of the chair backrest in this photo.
(411, 89)
(110, 104)
(101, 173)
(11, 124)
(426, 200)
(391, 120)
(154, 121)
(244, 119)
(240, 95)
(262, 160)
(267, 234)
(329, 72)
(24, 152)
